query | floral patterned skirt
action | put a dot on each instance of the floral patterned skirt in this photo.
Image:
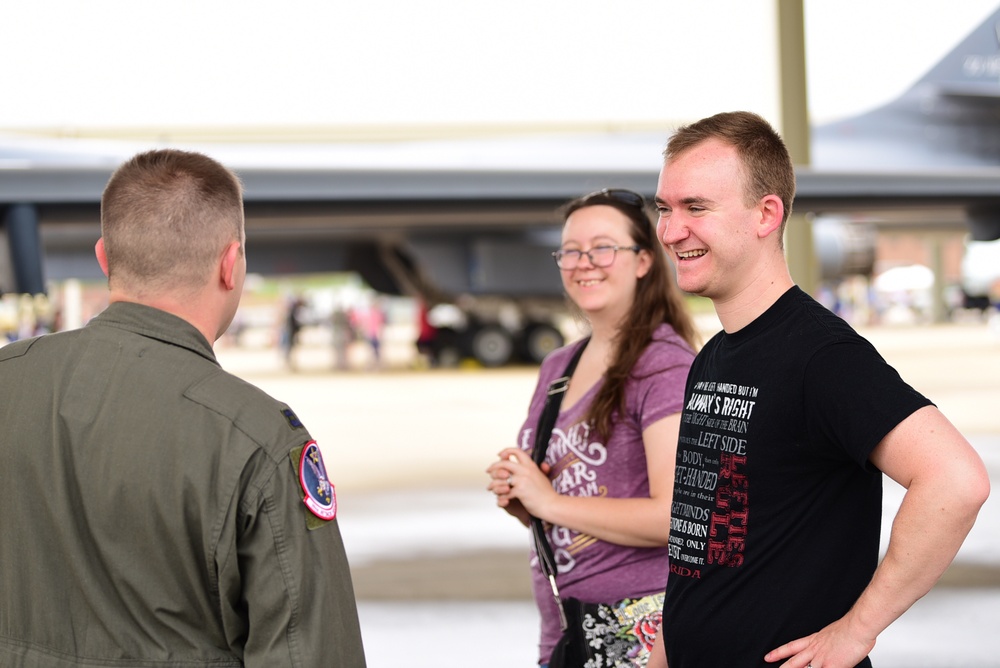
(619, 635)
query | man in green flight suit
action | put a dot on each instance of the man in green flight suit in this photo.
(155, 509)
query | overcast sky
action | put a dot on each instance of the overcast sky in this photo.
(75, 64)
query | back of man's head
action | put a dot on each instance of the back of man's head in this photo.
(166, 218)
(767, 166)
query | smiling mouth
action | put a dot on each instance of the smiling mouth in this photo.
(588, 282)
(687, 255)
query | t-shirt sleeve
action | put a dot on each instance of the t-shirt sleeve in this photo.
(659, 383)
(853, 398)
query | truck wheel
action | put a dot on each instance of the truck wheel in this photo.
(540, 339)
(492, 346)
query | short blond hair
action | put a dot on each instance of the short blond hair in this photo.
(166, 217)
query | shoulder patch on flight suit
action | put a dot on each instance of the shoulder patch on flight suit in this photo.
(320, 495)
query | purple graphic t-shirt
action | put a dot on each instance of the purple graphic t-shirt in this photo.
(583, 464)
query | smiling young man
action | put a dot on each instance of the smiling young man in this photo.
(790, 420)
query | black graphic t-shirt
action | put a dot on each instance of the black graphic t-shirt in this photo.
(776, 511)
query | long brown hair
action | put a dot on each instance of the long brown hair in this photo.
(657, 300)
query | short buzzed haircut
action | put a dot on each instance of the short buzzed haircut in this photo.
(166, 217)
(767, 166)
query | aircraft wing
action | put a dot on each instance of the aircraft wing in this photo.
(977, 91)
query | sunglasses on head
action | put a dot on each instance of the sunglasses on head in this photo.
(622, 195)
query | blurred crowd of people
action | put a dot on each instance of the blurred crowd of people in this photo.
(345, 325)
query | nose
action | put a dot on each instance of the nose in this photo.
(590, 261)
(669, 230)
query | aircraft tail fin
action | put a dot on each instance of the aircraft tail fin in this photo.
(971, 69)
(949, 118)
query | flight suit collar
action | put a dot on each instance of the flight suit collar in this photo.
(155, 324)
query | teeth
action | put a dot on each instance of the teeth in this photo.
(689, 254)
(587, 284)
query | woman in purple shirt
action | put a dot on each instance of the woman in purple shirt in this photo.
(604, 490)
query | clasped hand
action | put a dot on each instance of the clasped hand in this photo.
(519, 484)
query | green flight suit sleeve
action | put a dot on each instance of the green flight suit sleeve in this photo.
(296, 584)
(284, 583)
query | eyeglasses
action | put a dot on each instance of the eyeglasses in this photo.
(618, 194)
(599, 256)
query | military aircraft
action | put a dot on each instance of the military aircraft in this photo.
(472, 221)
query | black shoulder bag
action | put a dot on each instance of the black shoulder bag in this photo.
(571, 650)
(602, 634)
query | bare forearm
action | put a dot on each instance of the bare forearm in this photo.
(926, 535)
(946, 484)
(636, 522)
(920, 549)
(642, 522)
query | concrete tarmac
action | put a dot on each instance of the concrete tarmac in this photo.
(441, 574)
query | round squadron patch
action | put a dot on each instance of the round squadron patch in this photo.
(321, 497)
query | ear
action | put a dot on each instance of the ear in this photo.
(645, 263)
(227, 267)
(102, 256)
(772, 210)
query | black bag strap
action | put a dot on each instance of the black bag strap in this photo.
(557, 388)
